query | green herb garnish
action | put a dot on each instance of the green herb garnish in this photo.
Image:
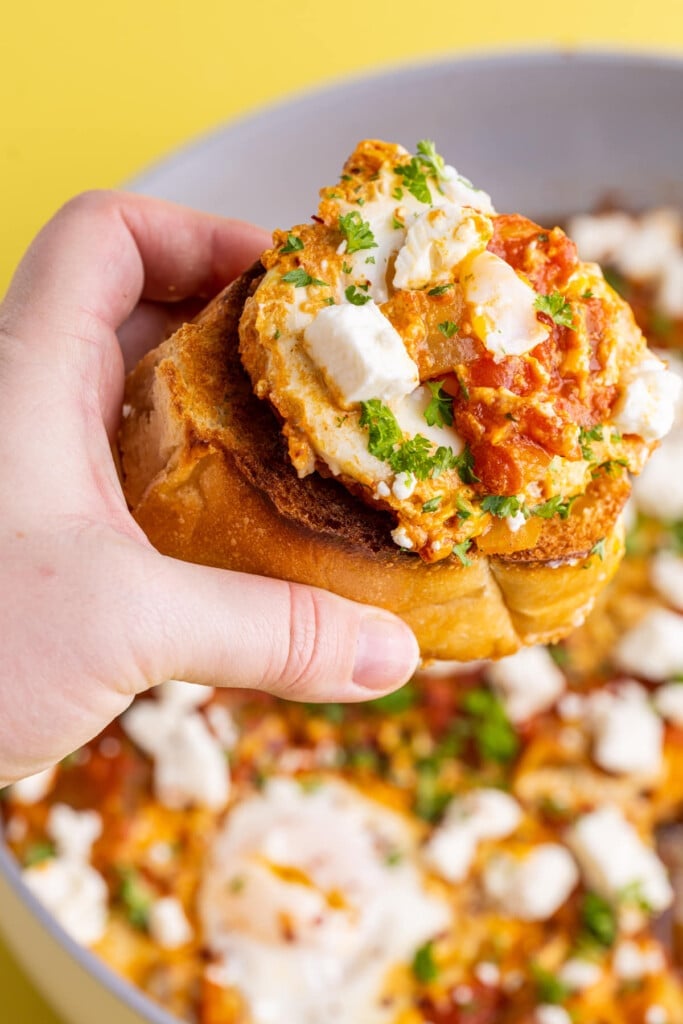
(595, 433)
(39, 852)
(357, 232)
(464, 463)
(599, 549)
(433, 504)
(414, 179)
(440, 289)
(294, 244)
(300, 278)
(136, 897)
(439, 412)
(557, 308)
(430, 159)
(448, 328)
(598, 919)
(489, 727)
(555, 506)
(549, 988)
(424, 964)
(501, 505)
(355, 296)
(460, 552)
(394, 703)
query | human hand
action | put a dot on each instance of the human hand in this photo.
(90, 613)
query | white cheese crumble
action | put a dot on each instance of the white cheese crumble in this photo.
(668, 700)
(516, 522)
(360, 354)
(550, 1014)
(532, 887)
(33, 788)
(265, 906)
(481, 814)
(627, 734)
(656, 1014)
(404, 485)
(67, 885)
(488, 974)
(527, 682)
(666, 576)
(437, 242)
(460, 190)
(401, 538)
(502, 307)
(190, 766)
(632, 962)
(168, 925)
(653, 649)
(613, 858)
(647, 406)
(579, 974)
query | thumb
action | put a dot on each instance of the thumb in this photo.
(226, 628)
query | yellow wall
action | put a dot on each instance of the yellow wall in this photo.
(92, 92)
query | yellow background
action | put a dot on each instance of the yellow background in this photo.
(93, 92)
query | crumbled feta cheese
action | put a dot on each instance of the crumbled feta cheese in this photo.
(666, 575)
(400, 537)
(74, 893)
(571, 707)
(480, 814)
(168, 925)
(658, 491)
(631, 962)
(516, 522)
(360, 354)
(528, 682)
(627, 733)
(33, 788)
(488, 974)
(613, 857)
(550, 1014)
(437, 242)
(382, 490)
(600, 238)
(190, 766)
(73, 832)
(668, 700)
(404, 485)
(640, 247)
(67, 885)
(460, 190)
(222, 725)
(533, 887)
(653, 649)
(501, 307)
(657, 1015)
(579, 974)
(647, 406)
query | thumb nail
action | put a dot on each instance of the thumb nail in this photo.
(386, 653)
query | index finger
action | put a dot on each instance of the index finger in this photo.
(103, 251)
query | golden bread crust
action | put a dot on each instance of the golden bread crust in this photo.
(206, 473)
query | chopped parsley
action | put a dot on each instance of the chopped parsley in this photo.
(136, 897)
(632, 895)
(384, 432)
(398, 192)
(433, 504)
(357, 232)
(460, 552)
(598, 920)
(431, 799)
(502, 505)
(543, 236)
(616, 280)
(599, 549)
(549, 988)
(439, 412)
(415, 456)
(330, 301)
(294, 244)
(415, 179)
(397, 224)
(39, 852)
(464, 463)
(554, 506)
(440, 289)
(300, 278)
(430, 159)
(489, 726)
(557, 308)
(370, 259)
(347, 268)
(464, 512)
(448, 328)
(277, 334)
(355, 296)
(588, 294)
(424, 965)
(595, 433)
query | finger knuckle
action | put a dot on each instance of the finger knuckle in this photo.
(305, 658)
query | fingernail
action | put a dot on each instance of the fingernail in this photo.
(386, 653)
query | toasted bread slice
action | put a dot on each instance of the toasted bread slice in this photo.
(207, 475)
